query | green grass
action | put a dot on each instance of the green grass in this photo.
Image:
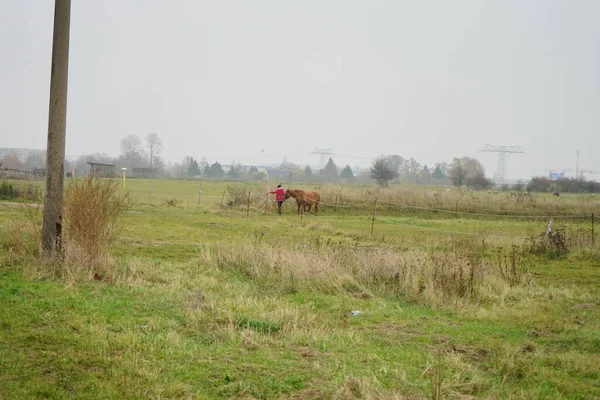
(174, 324)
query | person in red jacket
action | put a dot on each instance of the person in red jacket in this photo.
(280, 193)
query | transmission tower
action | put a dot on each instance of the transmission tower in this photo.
(577, 166)
(502, 152)
(323, 153)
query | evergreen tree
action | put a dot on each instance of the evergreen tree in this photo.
(438, 173)
(307, 172)
(330, 172)
(234, 172)
(193, 169)
(216, 171)
(347, 174)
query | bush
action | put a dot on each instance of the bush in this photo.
(237, 195)
(8, 191)
(92, 222)
(552, 244)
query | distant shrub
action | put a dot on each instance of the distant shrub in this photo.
(237, 195)
(552, 244)
(170, 202)
(8, 191)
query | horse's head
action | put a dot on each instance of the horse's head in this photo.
(287, 195)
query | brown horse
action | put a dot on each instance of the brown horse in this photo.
(305, 199)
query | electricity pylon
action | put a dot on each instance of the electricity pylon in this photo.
(323, 153)
(502, 152)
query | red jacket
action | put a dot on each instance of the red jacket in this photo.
(279, 192)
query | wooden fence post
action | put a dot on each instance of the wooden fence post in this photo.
(222, 198)
(266, 202)
(593, 226)
(200, 193)
(335, 203)
(374, 213)
(248, 207)
(149, 191)
(456, 209)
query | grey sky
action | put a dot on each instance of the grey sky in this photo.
(227, 79)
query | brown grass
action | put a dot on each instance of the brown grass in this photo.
(92, 222)
(24, 235)
(436, 278)
(451, 199)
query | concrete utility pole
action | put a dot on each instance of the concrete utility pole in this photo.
(57, 121)
(577, 166)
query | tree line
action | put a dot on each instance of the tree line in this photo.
(145, 152)
(463, 171)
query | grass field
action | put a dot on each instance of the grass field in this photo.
(446, 299)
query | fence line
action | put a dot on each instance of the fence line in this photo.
(487, 214)
(506, 215)
(576, 216)
(499, 212)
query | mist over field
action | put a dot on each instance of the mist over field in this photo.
(312, 200)
(257, 83)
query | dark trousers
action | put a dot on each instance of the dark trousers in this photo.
(279, 203)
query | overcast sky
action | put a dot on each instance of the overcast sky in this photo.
(255, 81)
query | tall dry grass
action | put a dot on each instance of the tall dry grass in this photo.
(453, 200)
(92, 221)
(436, 278)
(23, 238)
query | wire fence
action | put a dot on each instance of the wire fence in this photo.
(372, 218)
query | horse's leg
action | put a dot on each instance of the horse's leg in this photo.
(316, 208)
(309, 208)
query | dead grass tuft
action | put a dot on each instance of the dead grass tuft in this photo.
(92, 222)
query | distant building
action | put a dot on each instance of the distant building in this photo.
(143, 172)
(101, 170)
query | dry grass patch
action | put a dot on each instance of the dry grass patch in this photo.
(437, 278)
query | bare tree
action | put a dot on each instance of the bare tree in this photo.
(11, 160)
(457, 172)
(35, 159)
(155, 145)
(131, 147)
(468, 171)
